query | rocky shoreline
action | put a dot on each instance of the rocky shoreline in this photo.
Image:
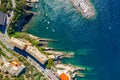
(56, 55)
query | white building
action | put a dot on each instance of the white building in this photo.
(17, 43)
(32, 50)
(14, 68)
(36, 53)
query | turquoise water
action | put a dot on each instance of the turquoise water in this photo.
(95, 42)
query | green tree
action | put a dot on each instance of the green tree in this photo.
(0, 50)
(50, 64)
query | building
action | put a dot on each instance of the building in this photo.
(63, 76)
(5, 67)
(0, 2)
(18, 43)
(3, 18)
(32, 50)
(14, 68)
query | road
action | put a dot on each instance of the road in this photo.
(48, 73)
(6, 52)
(4, 38)
(13, 3)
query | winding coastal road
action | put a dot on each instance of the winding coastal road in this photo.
(5, 40)
(5, 51)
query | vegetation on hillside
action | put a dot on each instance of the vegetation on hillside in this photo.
(26, 37)
(31, 72)
(6, 6)
(19, 12)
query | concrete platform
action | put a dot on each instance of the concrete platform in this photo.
(84, 7)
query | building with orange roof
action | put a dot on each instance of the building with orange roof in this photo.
(15, 68)
(15, 63)
(27, 44)
(63, 76)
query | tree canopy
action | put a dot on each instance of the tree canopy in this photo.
(50, 64)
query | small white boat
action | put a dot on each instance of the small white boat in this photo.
(47, 27)
(36, 6)
(53, 30)
(45, 20)
(48, 22)
(46, 14)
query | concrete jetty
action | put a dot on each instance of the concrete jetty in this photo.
(33, 1)
(69, 70)
(31, 12)
(84, 7)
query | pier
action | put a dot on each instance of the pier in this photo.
(70, 70)
(35, 13)
(33, 1)
(84, 7)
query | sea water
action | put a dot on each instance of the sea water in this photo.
(95, 42)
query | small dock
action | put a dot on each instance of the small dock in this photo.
(80, 75)
(84, 7)
(35, 13)
(47, 48)
(66, 55)
(71, 70)
(48, 40)
(33, 1)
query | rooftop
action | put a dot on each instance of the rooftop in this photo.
(32, 50)
(17, 43)
(15, 63)
(2, 18)
(36, 53)
(14, 68)
(63, 76)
